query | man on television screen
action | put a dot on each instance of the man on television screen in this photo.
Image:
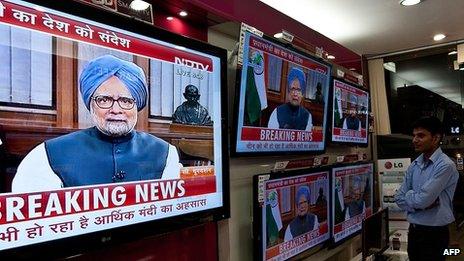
(427, 193)
(356, 205)
(114, 91)
(292, 115)
(352, 122)
(305, 221)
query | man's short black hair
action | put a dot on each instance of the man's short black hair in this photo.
(432, 124)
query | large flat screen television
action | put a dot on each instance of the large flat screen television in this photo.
(352, 199)
(291, 213)
(282, 100)
(103, 176)
(350, 110)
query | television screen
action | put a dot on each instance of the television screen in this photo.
(352, 199)
(291, 213)
(282, 101)
(137, 152)
(350, 113)
(375, 234)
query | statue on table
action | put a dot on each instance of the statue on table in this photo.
(191, 111)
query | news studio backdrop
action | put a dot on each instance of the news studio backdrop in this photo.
(290, 213)
(262, 125)
(82, 216)
(349, 117)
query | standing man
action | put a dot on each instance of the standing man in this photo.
(292, 115)
(427, 193)
(113, 91)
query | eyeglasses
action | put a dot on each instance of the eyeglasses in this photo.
(295, 90)
(106, 102)
(302, 203)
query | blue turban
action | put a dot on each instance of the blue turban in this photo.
(357, 182)
(102, 68)
(302, 190)
(296, 73)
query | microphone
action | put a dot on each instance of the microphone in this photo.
(118, 176)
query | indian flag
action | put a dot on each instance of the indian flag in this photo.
(256, 99)
(339, 203)
(273, 219)
(338, 115)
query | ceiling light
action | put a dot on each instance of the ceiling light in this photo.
(409, 2)
(439, 37)
(183, 13)
(139, 5)
(452, 53)
(331, 57)
(278, 35)
(169, 18)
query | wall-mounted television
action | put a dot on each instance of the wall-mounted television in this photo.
(110, 181)
(350, 110)
(281, 101)
(352, 199)
(291, 213)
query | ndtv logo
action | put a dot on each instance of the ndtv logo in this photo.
(451, 251)
(190, 63)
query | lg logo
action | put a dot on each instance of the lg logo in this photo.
(455, 130)
(389, 165)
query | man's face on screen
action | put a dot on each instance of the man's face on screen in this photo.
(295, 93)
(303, 206)
(357, 193)
(117, 120)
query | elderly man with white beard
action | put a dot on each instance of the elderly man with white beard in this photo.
(114, 91)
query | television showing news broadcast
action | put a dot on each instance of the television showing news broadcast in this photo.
(282, 101)
(291, 213)
(352, 198)
(350, 112)
(140, 138)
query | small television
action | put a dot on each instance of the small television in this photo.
(349, 116)
(282, 100)
(291, 213)
(375, 234)
(352, 199)
(137, 184)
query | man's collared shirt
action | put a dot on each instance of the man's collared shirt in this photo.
(427, 181)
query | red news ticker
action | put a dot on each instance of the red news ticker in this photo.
(37, 205)
(350, 133)
(265, 134)
(14, 14)
(289, 245)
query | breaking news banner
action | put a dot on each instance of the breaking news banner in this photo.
(352, 198)
(294, 215)
(42, 216)
(110, 174)
(283, 99)
(350, 113)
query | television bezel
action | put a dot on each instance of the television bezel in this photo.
(331, 109)
(236, 109)
(257, 210)
(59, 248)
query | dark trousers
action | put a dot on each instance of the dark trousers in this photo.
(427, 243)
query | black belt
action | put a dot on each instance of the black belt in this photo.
(428, 228)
